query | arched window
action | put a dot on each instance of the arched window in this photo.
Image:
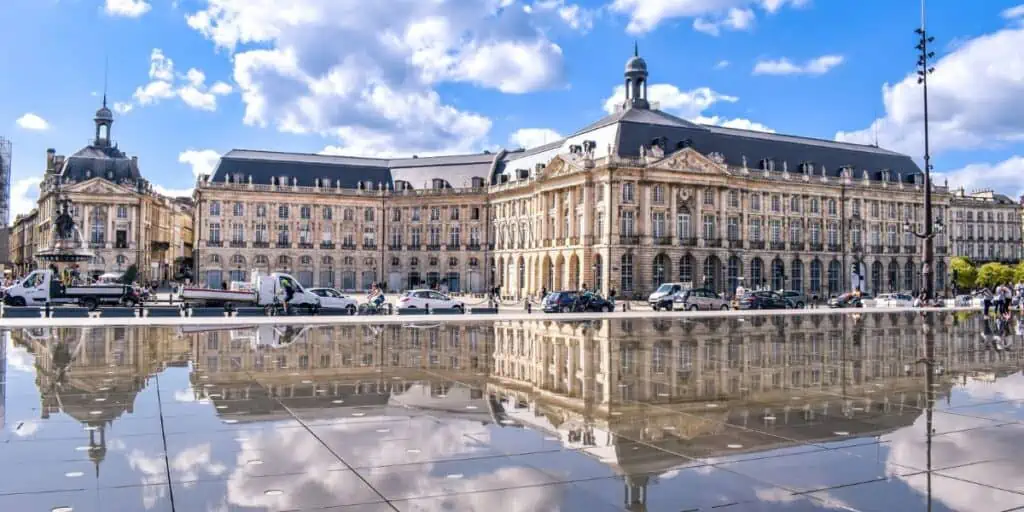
(686, 269)
(756, 273)
(659, 274)
(238, 260)
(796, 275)
(395, 261)
(815, 276)
(909, 273)
(778, 274)
(876, 277)
(626, 272)
(894, 276)
(734, 271)
(261, 259)
(327, 260)
(833, 277)
(305, 260)
(283, 260)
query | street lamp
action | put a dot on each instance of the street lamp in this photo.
(923, 70)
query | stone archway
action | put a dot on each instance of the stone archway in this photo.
(574, 274)
(558, 277)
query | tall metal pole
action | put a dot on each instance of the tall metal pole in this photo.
(929, 234)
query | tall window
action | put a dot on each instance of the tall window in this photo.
(892, 235)
(305, 212)
(833, 277)
(282, 211)
(628, 192)
(815, 233)
(683, 225)
(122, 211)
(755, 201)
(833, 233)
(659, 194)
(261, 211)
(215, 232)
(734, 199)
(856, 207)
(658, 224)
(734, 228)
(435, 235)
(709, 227)
(776, 203)
(815, 276)
(214, 208)
(261, 233)
(832, 207)
(709, 197)
(686, 268)
(282, 234)
(755, 230)
(238, 209)
(795, 232)
(627, 272)
(775, 230)
(815, 205)
(794, 204)
(368, 215)
(453, 213)
(238, 232)
(454, 236)
(756, 272)
(627, 223)
(98, 232)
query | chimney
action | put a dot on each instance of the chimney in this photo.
(50, 156)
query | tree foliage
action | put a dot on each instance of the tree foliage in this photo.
(130, 275)
(995, 274)
(966, 273)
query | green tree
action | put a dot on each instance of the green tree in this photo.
(966, 273)
(994, 274)
(130, 275)
(1018, 273)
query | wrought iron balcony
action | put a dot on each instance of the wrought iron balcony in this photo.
(877, 249)
(940, 249)
(894, 249)
(735, 243)
(238, 244)
(370, 247)
(757, 244)
(473, 247)
(451, 247)
(433, 247)
(777, 246)
(284, 245)
(713, 242)
(662, 240)
(261, 245)
(796, 246)
(349, 246)
(214, 243)
(817, 247)
(629, 239)
(327, 245)
(909, 249)
(834, 247)
(413, 247)
(305, 245)
(395, 247)
(688, 241)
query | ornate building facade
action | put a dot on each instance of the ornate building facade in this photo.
(638, 198)
(986, 226)
(120, 217)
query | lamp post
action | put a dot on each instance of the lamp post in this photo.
(929, 233)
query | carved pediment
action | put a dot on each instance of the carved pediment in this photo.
(557, 167)
(690, 160)
(97, 186)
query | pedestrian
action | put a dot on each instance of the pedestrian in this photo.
(986, 302)
(543, 292)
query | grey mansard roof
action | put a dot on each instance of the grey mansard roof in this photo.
(457, 170)
(102, 161)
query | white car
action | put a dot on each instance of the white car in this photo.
(331, 298)
(422, 299)
(894, 300)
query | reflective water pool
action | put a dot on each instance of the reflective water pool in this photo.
(888, 412)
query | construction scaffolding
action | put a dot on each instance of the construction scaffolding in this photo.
(5, 182)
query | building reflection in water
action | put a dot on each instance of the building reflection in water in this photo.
(643, 396)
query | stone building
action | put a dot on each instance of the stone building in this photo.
(635, 199)
(121, 218)
(987, 226)
(23, 242)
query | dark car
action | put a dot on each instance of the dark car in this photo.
(573, 301)
(850, 300)
(763, 300)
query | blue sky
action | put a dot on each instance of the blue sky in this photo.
(194, 78)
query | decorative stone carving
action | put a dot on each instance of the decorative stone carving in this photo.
(690, 160)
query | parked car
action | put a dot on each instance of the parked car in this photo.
(851, 300)
(894, 300)
(423, 299)
(796, 299)
(699, 298)
(763, 300)
(331, 298)
(574, 301)
(665, 295)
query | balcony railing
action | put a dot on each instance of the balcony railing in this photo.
(305, 245)
(473, 247)
(261, 245)
(796, 246)
(629, 239)
(757, 245)
(238, 244)
(857, 248)
(777, 246)
(327, 245)
(834, 247)
(735, 243)
(433, 247)
(572, 240)
(547, 242)
(369, 247)
(662, 240)
(877, 249)
(713, 242)
(214, 243)
(348, 246)
(688, 241)
(413, 247)
(284, 245)
(940, 250)
(817, 247)
(894, 249)
(395, 247)
(909, 249)
(453, 247)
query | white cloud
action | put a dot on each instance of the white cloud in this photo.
(784, 66)
(24, 193)
(646, 15)
(31, 121)
(203, 161)
(127, 8)
(1013, 12)
(532, 137)
(382, 94)
(722, 64)
(690, 105)
(733, 19)
(739, 123)
(164, 84)
(975, 99)
(1006, 176)
(122, 107)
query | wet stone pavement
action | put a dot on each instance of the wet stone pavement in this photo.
(885, 412)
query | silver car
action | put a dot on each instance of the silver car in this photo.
(700, 299)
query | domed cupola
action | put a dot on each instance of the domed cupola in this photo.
(104, 120)
(636, 81)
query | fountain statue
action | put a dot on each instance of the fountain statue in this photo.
(66, 244)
